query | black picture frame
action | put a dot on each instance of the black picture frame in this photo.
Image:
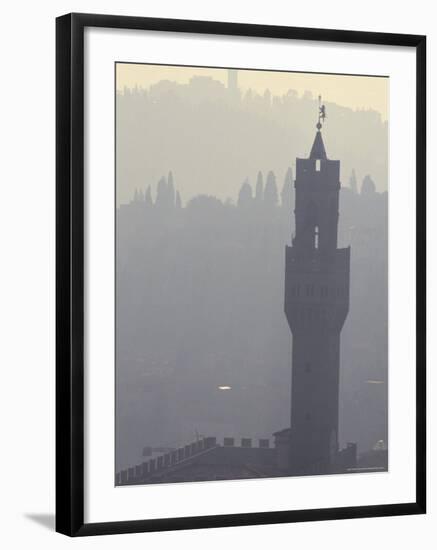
(70, 273)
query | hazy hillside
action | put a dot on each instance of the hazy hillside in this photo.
(212, 139)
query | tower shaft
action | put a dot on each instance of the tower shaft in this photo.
(314, 408)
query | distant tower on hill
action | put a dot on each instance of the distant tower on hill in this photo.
(233, 82)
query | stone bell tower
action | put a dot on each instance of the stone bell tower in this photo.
(316, 306)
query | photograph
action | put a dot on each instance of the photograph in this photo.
(240, 305)
(218, 280)
(251, 273)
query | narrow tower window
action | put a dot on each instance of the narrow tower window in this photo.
(316, 237)
(318, 165)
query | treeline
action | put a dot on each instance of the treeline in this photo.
(166, 196)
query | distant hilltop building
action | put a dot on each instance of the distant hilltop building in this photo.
(316, 306)
(233, 83)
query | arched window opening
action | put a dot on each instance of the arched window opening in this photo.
(316, 237)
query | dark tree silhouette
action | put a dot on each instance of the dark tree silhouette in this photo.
(271, 191)
(259, 191)
(368, 186)
(170, 190)
(245, 194)
(353, 182)
(287, 190)
(162, 193)
(148, 197)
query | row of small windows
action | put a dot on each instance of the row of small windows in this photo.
(324, 291)
(315, 315)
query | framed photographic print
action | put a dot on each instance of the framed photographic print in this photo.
(240, 274)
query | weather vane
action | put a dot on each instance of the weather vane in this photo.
(322, 113)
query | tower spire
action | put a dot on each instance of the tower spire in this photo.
(318, 149)
(322, 114)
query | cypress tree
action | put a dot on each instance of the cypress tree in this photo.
(271, 191)
(287, 190)
(148, 198)
(368, 186)
(170, 190)
(161, 193)
(259, 191)
(245, 194)
(353, 182)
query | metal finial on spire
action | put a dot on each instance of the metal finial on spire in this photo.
(322, 114)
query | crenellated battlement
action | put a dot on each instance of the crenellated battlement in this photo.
(204, 452)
